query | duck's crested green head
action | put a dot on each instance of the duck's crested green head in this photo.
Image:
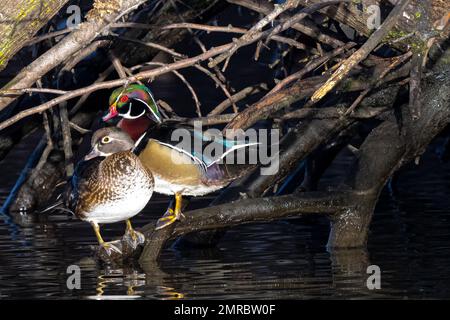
(107, 141)
(132, 102)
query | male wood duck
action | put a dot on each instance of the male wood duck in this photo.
(177, 171)
(137, 107)
(110, 184)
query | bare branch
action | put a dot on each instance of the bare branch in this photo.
(188, 85)
(241, 212)
(311, 66)
(148, 74)
(244, 93)
(254, 33)
(18, 92)
(231, 29)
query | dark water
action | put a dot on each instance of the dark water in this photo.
(409, 241)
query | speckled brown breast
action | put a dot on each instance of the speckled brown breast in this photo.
(113, 178)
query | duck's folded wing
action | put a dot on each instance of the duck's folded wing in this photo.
(84, 171)
(201, 148)
(180, 142)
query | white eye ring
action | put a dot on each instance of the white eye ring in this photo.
(106, 140)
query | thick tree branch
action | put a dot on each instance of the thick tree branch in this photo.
(240, 212)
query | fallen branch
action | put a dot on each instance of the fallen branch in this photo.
(20, 20)
(241, 212)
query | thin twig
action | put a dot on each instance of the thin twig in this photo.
(254, 33)
(49, 35)
(165, 106)
(208, 120)
(244, 93)
(130, 74)
(361, 53)
(117, 65)
(231, 29)
(308, 29)
(151, 45)
(219, 83)
(188, 85)
(84, 97)
(18, 92)
(78, 128)
(148, 74)
(396, 61)
(311, 66)
(300, 16)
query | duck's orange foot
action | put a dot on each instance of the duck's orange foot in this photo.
(133, 238)
(167, 219)
(110, 252)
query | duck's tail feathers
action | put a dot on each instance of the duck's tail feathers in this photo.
(234, 148)
(55, 205)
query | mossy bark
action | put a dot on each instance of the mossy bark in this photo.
(19, 22)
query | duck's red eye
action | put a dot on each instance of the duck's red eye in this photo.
(124, 99)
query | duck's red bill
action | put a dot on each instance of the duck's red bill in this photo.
(112, 113)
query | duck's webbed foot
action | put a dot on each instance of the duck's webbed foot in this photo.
(171, 215)
(167, 219)
(110, 251)
(107, 251)
(132, 238)
(131, 241)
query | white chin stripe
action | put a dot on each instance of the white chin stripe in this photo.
(128, 114)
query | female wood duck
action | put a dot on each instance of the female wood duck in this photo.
(110, 184)
(176, 171)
